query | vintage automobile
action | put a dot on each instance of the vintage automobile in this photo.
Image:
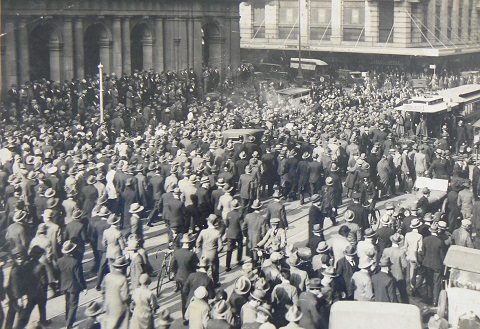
(374, 315)
(241, 135)
(461, 295)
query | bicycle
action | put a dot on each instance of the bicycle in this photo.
(165, 269)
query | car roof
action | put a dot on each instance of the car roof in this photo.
(373, 315)
(463, 258)
(241, 132)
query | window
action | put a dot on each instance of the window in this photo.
(288, 20)
(320, 17)
(353, 20)
(259, 21)
(385, 22)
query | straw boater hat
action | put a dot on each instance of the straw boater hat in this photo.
(113, 220)
(227, 188)
(258, 294)
(135, 208)
(234, 204)
(120, 262)
(322, 247)
(416, 223)
(91, 180)
(243, 285)
(68, 247)
(19, 215)
(369, 233)
(256, 204)
(77, 214)
(221, 182)
(293, 314)
(349, 215)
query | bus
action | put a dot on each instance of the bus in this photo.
(311, 68)
(295, 96)
(468, 99)
(432, 108)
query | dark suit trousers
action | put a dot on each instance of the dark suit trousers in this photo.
(152, 217)
(433, 280)
(402, 290)
(103, 268)
(230, 245)
(14, 311)
(41, 302)
(71, 306)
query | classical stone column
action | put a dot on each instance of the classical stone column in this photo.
(127, 58)
(371, 22)
(169, 50)
(417, 15)
(455, 21)
(117, 46)
(190, 42)
(337, 22)
(104, 45)
(183, 46)
(176, 52)
(78, 48)
(10, 54)
(465, 19)
(54, 50)
(147, 45)
(474, 27)
(158, 47)
(444, 18)
(304, 22)
(67, 67)
(432, 21)
(24, 59)
(197, 49)
(402, 24)
(235, 43)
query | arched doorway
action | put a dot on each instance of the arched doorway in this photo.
(141, 47)
(43, 41)
(212, 45)
(96, 44)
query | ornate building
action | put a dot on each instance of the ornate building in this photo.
(387, 31)
(63, 39)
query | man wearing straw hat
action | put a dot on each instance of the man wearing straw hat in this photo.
(116, 296)
(362, 281)
(184, 263)
(144, 303)
(209, 244)
(114, 244)
(71, 281)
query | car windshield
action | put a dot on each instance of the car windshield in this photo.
(465, 279)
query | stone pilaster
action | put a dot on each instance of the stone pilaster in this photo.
(127, 56)
(271, 19)
(158, 47)
(235, 44)
(190, 43)
(183, 46)
(117, 66)
(444, 18)
(455, 21)
(147, 45)
(304, 21)
(432, 21)
(474, 27)
(371, 22)
(197, 50)
(10, 71)
(169, 50)
(337, 22)
(24, 59)
(67, 69)
(402, 24)
(78, 48)
(55, 64)
(465, 19)
(104, 45)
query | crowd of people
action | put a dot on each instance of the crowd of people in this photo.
(70, 181)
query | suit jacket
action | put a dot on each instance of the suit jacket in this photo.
(71, 274)
(233, 224)
(316, 171)
(276, 209)
(156, 185)
(315, 216)
(384, 287)
(361, 215)
(196, 280)
(16, 236)
(399, 261)
(423, 204)
(245, 186)
(362, 286)
(345, 272)
(89, 198)
(434, 250)
(184, 263)
(209, 241)
(303, 172)
(176, 213)
(96, 230)
(311, 309)
(77, 232)
(314, 241)
(254, 228)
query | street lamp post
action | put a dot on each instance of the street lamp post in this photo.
(299, 78)
(100, 73)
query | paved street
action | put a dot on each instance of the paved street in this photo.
(156, 239)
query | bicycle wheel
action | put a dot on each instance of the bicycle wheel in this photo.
(170, 273)
(161, 275)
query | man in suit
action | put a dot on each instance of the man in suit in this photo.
(422, 202)
(96, 226)
(88, 196)
(156, 186)
(345, 268)
(434, 251)
(303, 176)
(399, 265)
(209, 244)
(384, 284)
(316, 238)
(254, 228)
(177, 217)
(71, 281)
(16, 233)
(359, 211)
(315, 174)
(315, 215)
(276, 209)
(184, 263)
(245, 184)
(362, 281)
(76, 231)
(198, 279)
(310, 305)
(233, 233)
